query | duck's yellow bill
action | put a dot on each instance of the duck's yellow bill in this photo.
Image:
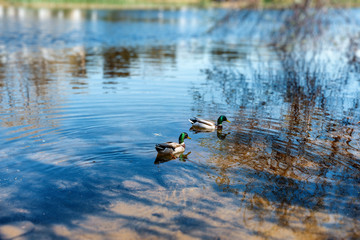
(228, 121)
(188, 137)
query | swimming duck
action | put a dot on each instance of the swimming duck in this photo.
(207, 125)
(172, 148)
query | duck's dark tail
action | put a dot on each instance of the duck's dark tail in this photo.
(162, 146)
(159, 148)
(193, 120)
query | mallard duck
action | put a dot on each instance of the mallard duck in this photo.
(172, 148)
(207, 125)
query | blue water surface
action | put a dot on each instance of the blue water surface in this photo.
(86, 95)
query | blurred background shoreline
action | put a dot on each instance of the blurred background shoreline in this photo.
(171, 4)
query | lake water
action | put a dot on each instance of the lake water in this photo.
(86, 95)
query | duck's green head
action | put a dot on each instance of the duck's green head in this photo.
(221, 119)
(183, 136)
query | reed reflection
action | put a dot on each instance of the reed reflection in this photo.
(291, 157)
(29, 93)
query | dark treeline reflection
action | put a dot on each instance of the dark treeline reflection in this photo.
(117, 62)
(34, 85)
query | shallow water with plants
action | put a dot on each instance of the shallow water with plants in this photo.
(86, 95)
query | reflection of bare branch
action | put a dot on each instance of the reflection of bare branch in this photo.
(309, 143)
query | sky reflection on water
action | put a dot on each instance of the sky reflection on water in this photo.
(83, 106)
